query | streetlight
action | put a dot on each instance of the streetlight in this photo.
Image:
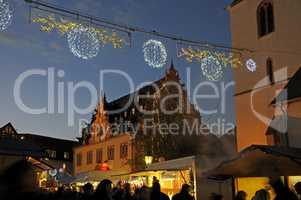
(148, 160)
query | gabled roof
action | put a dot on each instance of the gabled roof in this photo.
(10, 126)
(126, 103)
(291, 91)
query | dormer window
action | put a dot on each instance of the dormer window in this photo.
(265, 18)
(51, 153)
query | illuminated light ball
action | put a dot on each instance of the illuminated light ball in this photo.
(83, 42)
(6, 15)
(155, 54)
(251, 65)
(212, 68)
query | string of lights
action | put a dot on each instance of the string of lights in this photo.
(126, 28)
(212, 57)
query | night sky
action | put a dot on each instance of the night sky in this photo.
(23, 46)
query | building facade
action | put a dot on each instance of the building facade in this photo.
(112, 156)
(134, 127)
(267, 30)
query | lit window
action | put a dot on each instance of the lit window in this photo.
(66, 155)
(98, 155)
(111, 152)
(79, 159)
(124, 150)
(265, 18)
(89, 157)
(51, 153)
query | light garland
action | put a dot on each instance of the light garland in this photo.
(212, 63)
(6, 15)
(155, 54)
(83, 42)
(82, 39)
(199, 54)
(251, 65)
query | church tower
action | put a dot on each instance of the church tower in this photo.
(270, 31)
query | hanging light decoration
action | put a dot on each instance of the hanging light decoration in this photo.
(6, 15)
(155, 54)
(83, 42)
(211, 68)
(199, 54)
(251, 65)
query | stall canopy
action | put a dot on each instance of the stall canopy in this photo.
(176, 164)
(260, 161)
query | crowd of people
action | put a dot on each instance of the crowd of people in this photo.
(280, 191)
(104, 191)
(18, 182)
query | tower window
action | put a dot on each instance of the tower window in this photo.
(265, 18)
(270, 72)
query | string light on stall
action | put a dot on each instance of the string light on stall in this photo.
(6, 15)
(155, 54)
(83, 42)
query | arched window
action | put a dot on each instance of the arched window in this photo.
(270, 72)
(265, 18)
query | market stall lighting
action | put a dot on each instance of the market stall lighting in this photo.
(148, 160)
(6, 15)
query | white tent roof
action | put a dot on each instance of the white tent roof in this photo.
(175, 164)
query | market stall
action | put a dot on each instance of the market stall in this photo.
(171, 175)
(253, 167)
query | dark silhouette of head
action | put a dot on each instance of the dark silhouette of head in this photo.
(88, 188)
(104, 188)
(262, 195)
(241, 195)
(185, 188)
(127, 188)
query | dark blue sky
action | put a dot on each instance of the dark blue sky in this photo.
(23, 46)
